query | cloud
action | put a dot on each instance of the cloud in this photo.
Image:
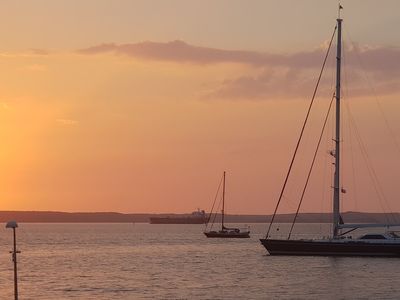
(275, 74)
(4, 105)
(377, 58)
(269, 83)
(27, 53)
(40, 51)
(36, 67)
(281, 83)
(67, 122)
(181, 52)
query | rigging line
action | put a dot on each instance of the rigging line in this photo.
(377, 100)
(378, 188)
(353, 169)
(325, 164)
(375, 182)
(343, 166)
(301, 133)
(351, 157)
(290, 201)
(389, 128)
(328, 145)
(215, 215)
(350, 136)
(312, 166)
(343, 170)
(215, 199)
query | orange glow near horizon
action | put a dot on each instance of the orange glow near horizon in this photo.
(148, 123)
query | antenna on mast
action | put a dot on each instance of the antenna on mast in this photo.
(340, 8)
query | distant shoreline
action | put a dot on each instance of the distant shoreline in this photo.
(113, 217)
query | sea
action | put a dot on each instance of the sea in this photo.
(145, 261)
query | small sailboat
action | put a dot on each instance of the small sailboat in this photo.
(225, 232)
(339, 243)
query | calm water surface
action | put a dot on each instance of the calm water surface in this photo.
(143, 261)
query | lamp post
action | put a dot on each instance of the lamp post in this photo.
(13, 225)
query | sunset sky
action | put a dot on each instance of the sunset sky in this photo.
(139, 106)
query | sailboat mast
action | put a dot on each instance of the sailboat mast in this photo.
(223, 202)
(336, 184)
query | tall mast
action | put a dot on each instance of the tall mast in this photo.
(336, 183)
(223, 202)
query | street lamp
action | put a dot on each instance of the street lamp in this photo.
(13, 225)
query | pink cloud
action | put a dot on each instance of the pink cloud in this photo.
(378, 58)
(40, 52)
(181, 52)
(276, 74)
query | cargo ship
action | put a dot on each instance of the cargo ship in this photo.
(196, 217)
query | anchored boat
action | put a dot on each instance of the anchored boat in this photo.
(339, 244)
(196, 217)
(224, 232)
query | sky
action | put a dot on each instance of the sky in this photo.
(139, 106)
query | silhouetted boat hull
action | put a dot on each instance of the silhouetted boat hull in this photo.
(177, 220)
(331, 248)
(196, 217)
(227, 234)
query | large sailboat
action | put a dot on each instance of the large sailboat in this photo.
(225, 232)
(339, 243)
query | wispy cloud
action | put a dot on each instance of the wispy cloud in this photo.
(35, 67)
(67, 122)
(26, 53)
(181, 52)
(37, 51)
(4, 105)
(269, 83)
(275, 74)
(377, 58)
(280, 83)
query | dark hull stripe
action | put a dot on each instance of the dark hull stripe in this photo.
(230, 236)
(322, 248)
